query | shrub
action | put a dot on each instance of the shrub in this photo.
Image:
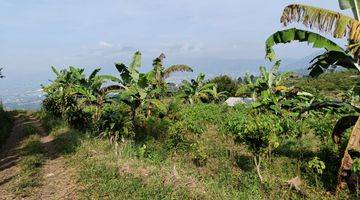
(225, 84)
(197, 117)
(115, 122)
(6, 125)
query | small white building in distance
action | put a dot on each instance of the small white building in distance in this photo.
(232, 101)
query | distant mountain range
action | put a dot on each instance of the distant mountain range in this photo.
(22, 90)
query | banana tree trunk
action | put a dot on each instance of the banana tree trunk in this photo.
(345, 176)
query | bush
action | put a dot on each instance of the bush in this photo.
(115, 122)
(6, 125)
(257, 130)
(197, 117)
(225, 84)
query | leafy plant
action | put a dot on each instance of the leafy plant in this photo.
(137, 88)
(259, 132)
(196, 90)
(159, 73)
(225, 84)
(340, 26)
(317, 167)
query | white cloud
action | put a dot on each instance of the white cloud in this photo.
(105, 45)
(183, 47)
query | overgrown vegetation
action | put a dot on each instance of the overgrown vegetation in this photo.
(136, 136)
(184, 143)
(6, 120)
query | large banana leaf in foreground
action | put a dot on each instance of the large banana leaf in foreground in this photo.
(331, 59)
(290, 35)
(337, 24)
(351, 4)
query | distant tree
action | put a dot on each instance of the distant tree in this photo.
(1, 76)
(225, 84)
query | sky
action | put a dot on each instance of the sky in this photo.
(37, 34)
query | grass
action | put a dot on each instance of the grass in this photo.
(30, 165)
(128, 170)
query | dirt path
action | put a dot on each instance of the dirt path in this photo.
(57, 177)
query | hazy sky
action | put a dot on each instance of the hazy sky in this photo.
(35, 34)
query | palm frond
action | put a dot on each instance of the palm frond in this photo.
(339, 25)
(176, 68)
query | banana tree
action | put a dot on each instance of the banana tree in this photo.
(217, 96)
(58, 98)
(267, 81)
(92, 93)
(137, 89)
(196, 90)
(339, 26)
(159, 73)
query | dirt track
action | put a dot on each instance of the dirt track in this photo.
(57, 177)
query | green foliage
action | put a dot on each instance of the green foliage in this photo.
(115, 122)
(258, 131)
(331, 85)
(6, 120)
(316, 165)
(196, 91)
(196, 117)
(225, 84)
(205, 139)
(290, 35)
(200, 155)
(356, 166)
(31, 130)
(159, 73)
(329, 60)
